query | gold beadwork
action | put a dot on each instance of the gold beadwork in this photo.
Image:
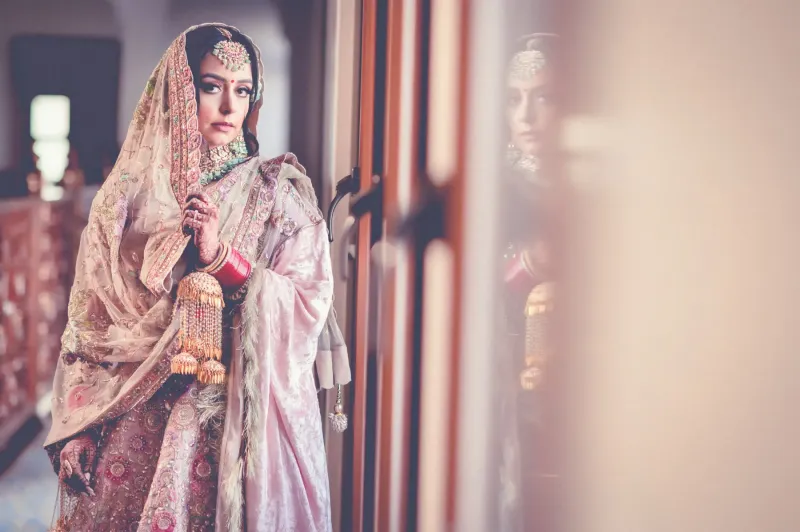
(184, 364)
(211, 372)
(200, 304)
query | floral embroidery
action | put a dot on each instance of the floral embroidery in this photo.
(153, 421)
(78, 397)
(184, 414)
(139, 444)
(311, 211)
(163, 522)
(145, 102)
(185, 141)
(258, 208)
(202, 469)
(118, 470)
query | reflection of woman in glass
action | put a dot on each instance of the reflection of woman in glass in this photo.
(528, 475)
(184, 398)
(530, 109)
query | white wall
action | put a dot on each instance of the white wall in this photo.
(145, 28)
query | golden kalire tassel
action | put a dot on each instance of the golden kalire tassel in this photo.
(200, 303)
(537, 342)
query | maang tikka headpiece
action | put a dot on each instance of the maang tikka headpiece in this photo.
(232, 54)
(530, 61)
(524, 66)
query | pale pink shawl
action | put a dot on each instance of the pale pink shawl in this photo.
(120, 322)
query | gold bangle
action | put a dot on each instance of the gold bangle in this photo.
(222, 260)
(222, 256)
(225, 252)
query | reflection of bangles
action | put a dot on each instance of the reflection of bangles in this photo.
(527, 263)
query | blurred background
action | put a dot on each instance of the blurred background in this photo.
(565, 249)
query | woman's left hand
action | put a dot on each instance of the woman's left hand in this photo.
(202, 217)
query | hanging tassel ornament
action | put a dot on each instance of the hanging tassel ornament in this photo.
(537, 324)
(200, 303)
(338, 418)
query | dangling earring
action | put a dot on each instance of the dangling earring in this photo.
(512, 153)
(528, 164)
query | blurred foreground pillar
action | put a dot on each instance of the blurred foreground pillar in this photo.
(684, 282)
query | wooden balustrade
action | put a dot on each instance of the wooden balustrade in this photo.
(38, 244)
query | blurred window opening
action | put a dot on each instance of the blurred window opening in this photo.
(50, 116)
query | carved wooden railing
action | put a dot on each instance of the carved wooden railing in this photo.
(38, 241)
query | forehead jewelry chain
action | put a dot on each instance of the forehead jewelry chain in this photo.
(232, 54)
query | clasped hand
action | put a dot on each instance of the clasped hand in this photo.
(201, 218)
(77, 462)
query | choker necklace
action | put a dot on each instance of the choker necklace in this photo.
(218, 161)
(527, 165)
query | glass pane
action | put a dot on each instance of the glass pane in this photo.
(525, 448)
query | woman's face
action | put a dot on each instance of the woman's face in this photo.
(530, 111)
(224, 100)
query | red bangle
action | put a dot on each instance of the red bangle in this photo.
(234, 272)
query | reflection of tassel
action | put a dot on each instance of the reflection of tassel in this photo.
(537, 307)
(200, 303)
(338, 418)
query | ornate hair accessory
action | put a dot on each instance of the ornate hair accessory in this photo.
(232, 54)
(526, 64)
(532, 59)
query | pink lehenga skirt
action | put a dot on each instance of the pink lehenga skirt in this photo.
(156, 470)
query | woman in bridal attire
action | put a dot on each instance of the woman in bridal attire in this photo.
(184, 398)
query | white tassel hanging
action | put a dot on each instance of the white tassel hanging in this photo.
(338, 418)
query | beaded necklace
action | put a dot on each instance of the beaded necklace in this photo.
(216, 162)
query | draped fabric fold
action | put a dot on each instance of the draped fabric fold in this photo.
(276, 400)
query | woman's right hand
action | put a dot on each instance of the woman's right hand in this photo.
(201, 215)
(77, 462)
